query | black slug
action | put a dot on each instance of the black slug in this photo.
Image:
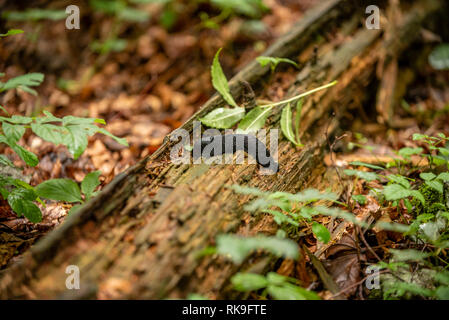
(212, 146)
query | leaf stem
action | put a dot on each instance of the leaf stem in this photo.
(299, 96)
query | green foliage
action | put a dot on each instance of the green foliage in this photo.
(274, 62)
(277, 286)
(23, 82)
(439, 57)
(250, 8)
(11, 32)
(220, 82)
(238, 248)
(60, 189)
(224, 118)
(35, 15)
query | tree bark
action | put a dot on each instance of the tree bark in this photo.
(140, 237)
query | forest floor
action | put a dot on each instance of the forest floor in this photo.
(150, 85)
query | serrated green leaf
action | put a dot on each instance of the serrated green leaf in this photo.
(286, 124)
(223, 118)
(78, 142)
(220, 82)
(13, 132)
(90, 182)
(27, 156)
(427, 176)
(24, 82)
(50, 132)
(395, 192)
(248, 282)
(436, 185)
(59, 189)
(254, 120)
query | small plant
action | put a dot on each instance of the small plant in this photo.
(277, 286)
(225, 118)
(274, 62)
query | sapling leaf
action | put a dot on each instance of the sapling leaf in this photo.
(11, 32)
(254, 120)
(90, 182)
(223, 118)
(321, 232)
(60, 189)
(246, 282)
(368, 176)
(286, 124)
(264, 61)
(220, 82)
(13, 132)
(23, 82)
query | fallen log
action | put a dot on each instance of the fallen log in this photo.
(140, 237)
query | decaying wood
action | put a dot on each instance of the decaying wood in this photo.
(142, 235)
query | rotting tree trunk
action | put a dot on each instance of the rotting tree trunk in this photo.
(140, 237)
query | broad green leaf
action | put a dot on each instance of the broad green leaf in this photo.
(11, 32)
(248, 282)
(50, 132)
(395, 192)
(59, 189)
(368, 176)
(90, 182)
(223, 118)
(436, 185)
(17, 119)
(280, 218)
(427, 176)
(321, 232)
(254, 120)
(360, 199)
(286, 124)
(24, 82)
(31, 211)
(20, 201)
(220, 82)
(27, 156)
(444, 176)
(439, 57)
(248, 190)
(407, 152)
(78, 141)
(13, 132)
(368, 165)
(399, 180)
(121, 141)
(238, 248)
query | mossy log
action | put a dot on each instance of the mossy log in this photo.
(140, 237)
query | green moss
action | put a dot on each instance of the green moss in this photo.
(434, 201)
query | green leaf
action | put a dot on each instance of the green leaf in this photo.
(11, 32)
(78, 142)
(248, 282)
(264, 61)
(50, 132)
(399, 180)
(27, 156)
(286, 124)
(291, 292)
(368, 176)
(368, 165)
(238, 248)
(427, 176)
(3, 109)
(254, 120)
(321, 232)
(439, 57)
(133, 15)
(59, 189)
(90, 182)
(360, 199)
(5, 161)
(436, 185)
(395, 192)
(408, 255)
(444, 176)
(442, 293)
(220, 82)
(24, 82)
(407, 152)
(35, 14)
(392, 226)
(223, 118)
(17, 119)
(298, 120)
(13, 132)
(20, 200)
